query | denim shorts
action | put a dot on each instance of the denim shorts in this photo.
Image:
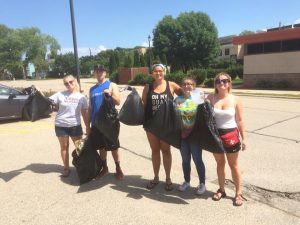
(75, 131)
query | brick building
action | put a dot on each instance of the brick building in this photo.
(126, 74)
(273, 55)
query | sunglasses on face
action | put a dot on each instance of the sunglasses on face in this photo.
(223, 81)
(67, 83)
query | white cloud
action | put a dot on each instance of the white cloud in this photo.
(84, 51)
(297, 21)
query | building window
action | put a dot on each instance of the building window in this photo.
(227, 51)
(274, 46)
(291, 45)
(255, 49)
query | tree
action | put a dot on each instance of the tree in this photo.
(64, 64)
(143, 61)
(128, 62)
(86, 64)
(136, 59)
(189, 41)
(245, 32)
(35, 47)
(112, 63)
(10, 52)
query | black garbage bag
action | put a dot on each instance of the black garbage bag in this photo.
(37, 105)
(87, 161)
(166, 124)
(132, 111)
(107, 121)
(205, 132)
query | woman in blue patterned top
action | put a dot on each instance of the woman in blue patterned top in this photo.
(187, 106)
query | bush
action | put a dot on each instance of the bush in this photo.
(265, 84)
(176, 77)
(199, 75)
(268, 84)
(209, 82)
(282, 84)
(235, 71)
(141, 79)
(211, 73)
(114, 77)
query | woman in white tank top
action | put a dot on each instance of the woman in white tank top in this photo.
(229, 116)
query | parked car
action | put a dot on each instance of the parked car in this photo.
(27, 105)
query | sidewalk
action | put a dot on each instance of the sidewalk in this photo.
(86, 83)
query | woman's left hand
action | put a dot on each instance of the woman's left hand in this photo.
(244, 145)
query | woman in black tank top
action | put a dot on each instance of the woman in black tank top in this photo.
(153, 96)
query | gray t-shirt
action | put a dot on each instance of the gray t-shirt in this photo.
(70, 106)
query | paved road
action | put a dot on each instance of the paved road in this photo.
(32, 192)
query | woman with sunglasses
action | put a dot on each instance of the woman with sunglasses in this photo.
(71, 105)
(153, 96)
(187, 106)
(228, 112)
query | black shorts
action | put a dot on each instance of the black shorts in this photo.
(101, 142)
(234, 148)
(75, 131)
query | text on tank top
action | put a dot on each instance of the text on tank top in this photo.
(156, 99)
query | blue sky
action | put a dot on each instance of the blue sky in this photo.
(127, 23)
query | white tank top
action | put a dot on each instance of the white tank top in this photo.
(225, 118)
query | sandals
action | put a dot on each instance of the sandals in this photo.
(152, 184)
(169, 186)
(66, 173)
(218, 195)
(238, 200)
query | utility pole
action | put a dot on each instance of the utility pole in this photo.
(150, 55)
(75, 43)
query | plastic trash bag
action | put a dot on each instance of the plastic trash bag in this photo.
(132, 111)
(205, 132)
(37, 105)
(107, 121)
(86, 161)
(166, 124)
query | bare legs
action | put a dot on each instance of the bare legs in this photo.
(64, 150)
(156, 146)
(232, 159)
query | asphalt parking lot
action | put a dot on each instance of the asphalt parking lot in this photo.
(32, 191)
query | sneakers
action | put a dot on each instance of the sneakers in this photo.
(185, 185)
(201, 189)
(102, 173)
(119, 174)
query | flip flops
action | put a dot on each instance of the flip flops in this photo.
(152, 184)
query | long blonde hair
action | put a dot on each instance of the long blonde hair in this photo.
(228, 77)
(74, 80)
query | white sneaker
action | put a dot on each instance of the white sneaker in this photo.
(201, 189)
(184, 186)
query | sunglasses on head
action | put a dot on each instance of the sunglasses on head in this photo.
(67, 83)
(224, 81)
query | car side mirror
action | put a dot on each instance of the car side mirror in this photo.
(11, 96)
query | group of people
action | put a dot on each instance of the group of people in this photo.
(228, 113)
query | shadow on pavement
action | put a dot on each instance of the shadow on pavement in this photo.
(135, 187)
(34, 167)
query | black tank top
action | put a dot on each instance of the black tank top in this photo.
(154, 100)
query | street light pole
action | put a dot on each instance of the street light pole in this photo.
(149, 39)
(75, 43)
